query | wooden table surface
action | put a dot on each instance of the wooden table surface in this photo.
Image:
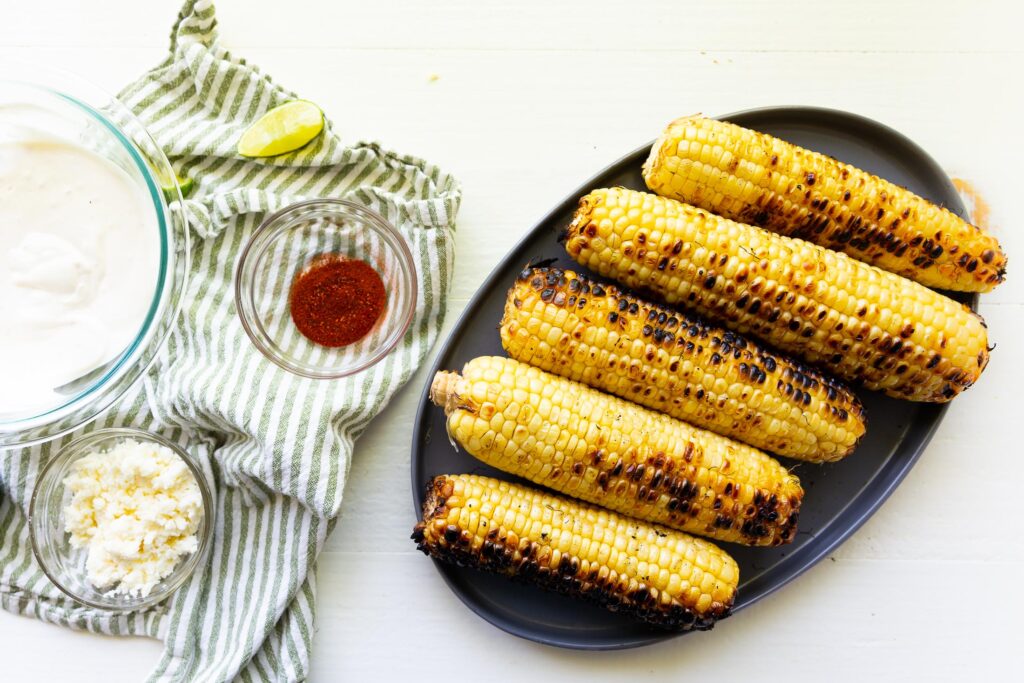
(522, 102)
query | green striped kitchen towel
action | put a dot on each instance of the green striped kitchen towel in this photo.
(277, 447)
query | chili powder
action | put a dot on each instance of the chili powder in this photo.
(336, 300)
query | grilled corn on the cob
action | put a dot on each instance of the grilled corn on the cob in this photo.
(576, 440)
(862, 323)
(755, 178)
(678, 364)
(656, 574)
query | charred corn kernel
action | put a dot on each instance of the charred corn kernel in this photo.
(624, 457)
(607, 338)
(755, 178)
(862, 323)
(662, 576)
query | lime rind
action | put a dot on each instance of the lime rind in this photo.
(185, 185)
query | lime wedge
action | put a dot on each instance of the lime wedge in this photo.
(282, 129)
(184, 184)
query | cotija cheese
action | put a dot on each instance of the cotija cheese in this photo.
(136, 509)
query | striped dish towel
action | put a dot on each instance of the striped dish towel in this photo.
(277, 447)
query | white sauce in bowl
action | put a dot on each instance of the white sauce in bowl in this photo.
(79, 260)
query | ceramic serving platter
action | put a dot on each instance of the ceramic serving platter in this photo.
(839, 497)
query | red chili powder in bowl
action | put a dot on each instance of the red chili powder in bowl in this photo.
(336, 300)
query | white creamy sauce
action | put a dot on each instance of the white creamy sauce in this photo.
(79, 259)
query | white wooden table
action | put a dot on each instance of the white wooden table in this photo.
(522, 103)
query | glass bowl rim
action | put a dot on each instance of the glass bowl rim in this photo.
(272, 228)
(182, 571)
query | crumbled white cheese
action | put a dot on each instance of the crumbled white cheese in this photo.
(136, 509)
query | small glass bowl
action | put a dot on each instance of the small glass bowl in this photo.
(51, 545)
(283, 246)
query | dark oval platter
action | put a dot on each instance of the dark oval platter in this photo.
(839, 497)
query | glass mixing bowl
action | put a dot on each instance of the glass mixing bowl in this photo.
(51, 545)
(70, 109)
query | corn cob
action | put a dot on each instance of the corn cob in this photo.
(863, 324)
(602, 449)
(649, 572)
(755, 178)
(678, 364)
